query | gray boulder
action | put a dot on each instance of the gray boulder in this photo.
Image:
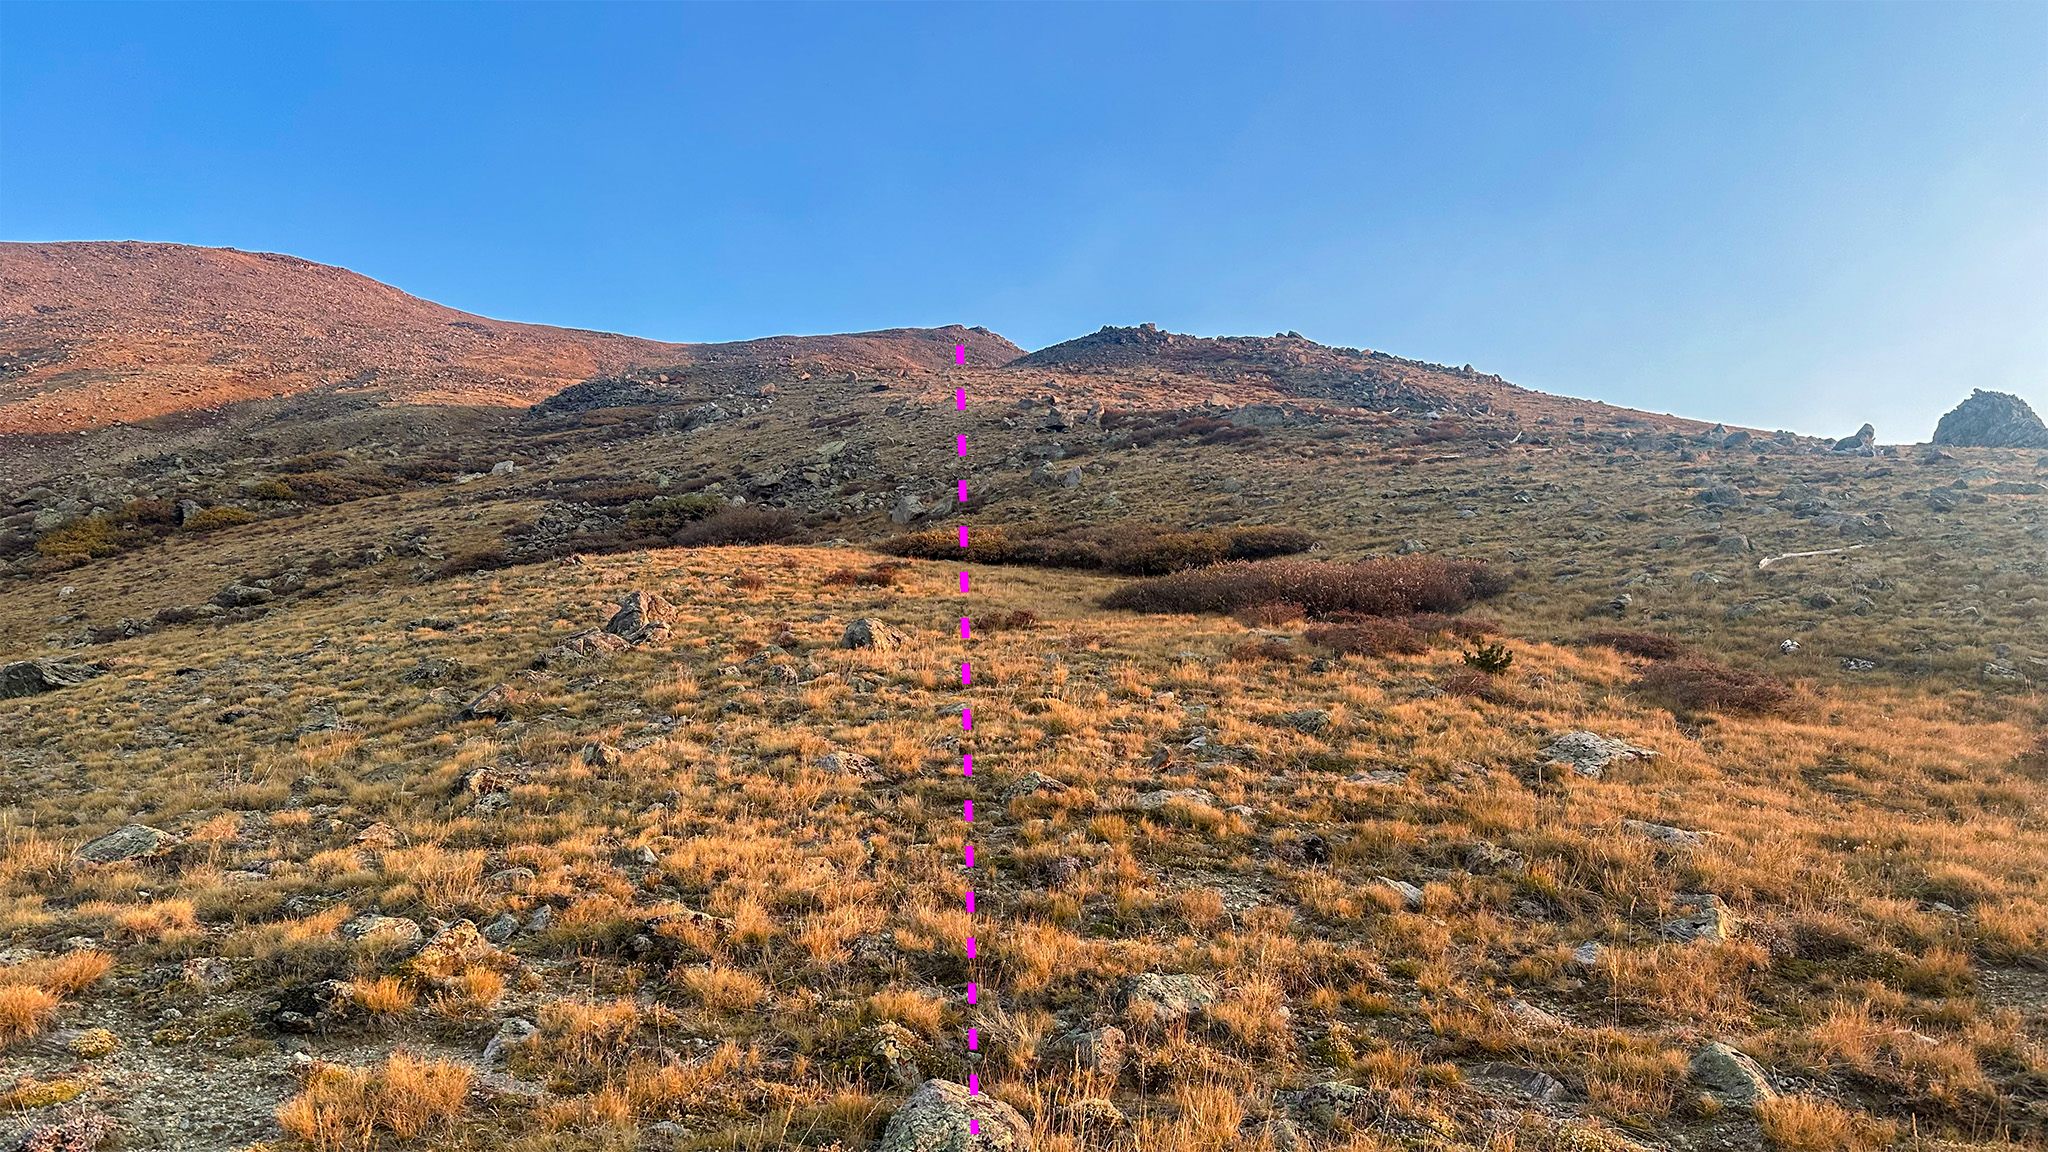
(1862, 442)
(942, 1116)
(1589, 753)
(1730, 1076)
(639, 615)
(125, 843)
(31, 677)
(240, 595)
(1162, 998)
(866, 633)
(1992, 420)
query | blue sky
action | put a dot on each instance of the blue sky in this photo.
(1803, 216)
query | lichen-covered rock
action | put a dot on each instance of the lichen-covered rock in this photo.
(126, 843)
(942, 1116)
(392, 931)
(1708, 920)
(1730, 1076)
(494, 704)
(1159, 998)
(33, 677)
(1098, 1051)
(1589, 753)
(455, 949)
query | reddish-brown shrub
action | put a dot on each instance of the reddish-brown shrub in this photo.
(1696, 683)
(1649, 645)
(1370, 636)
(1394, 587)
(745, 524)
(879, 576)
(1268, 615)
(1476, 683)
(1015, 620)
(1270, 651)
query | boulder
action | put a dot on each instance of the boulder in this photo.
(1992, 420)
(1411, 896)
(1589, 754)
(1154, 801)
(866, 633)
(455, 948)
(396, 930)
(1730, 1076)
(238, 595)
(1098, 1051)
(494, 704)
(1708, 920)
(942, 1116)
(1535, 1085)
(1666, 834)
(1163, 998)
(126, 843)
(1863, 442)
(906, 509)
(32, 677)
(639, 614)
(1308, 721)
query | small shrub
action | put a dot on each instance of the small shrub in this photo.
(312, 462)
(1012, 621)
(1169, 552)
(208, 519)
(749, 581)
(1476, 683)
(666, 515)
(1266, 543)
(1394, 587)
(741, 524)
(1491, 658)
(271, 490)
(155, 514)
(1269, 615)
(340, 487)
(612, 495)
(879, 576)
(1699, 684)
(481, 560)
(342, 1109)
(1649, 645)
(24, 1011)
(82, 539)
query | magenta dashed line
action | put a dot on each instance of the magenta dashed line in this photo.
(966, 757)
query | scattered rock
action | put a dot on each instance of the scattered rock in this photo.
(1991, 420)
(1730, 1076)
(582, 646)
(640, 615)
(853, 764)
(598, 754)
(1033, 784)
(1589, 754)
(942, 1116)
(126, 843)
(1160, 998)
(1154, 801)
(457, 947)
(1310, 721)
(378, 837)
(32, 677)
(1333, 1103)
(1720, 496)
(899, 1052)
(238, 595)
(1588, 955)
(512, 1033)
(1411, 896)
(1541, 1087)
(1709, 920)
(1099, 1051)
(501, 929)
(394, 930)
(494, 704)
(867, 633)
(1666, 834)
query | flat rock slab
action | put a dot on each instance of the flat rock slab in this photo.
(33, 677)
(126, 843)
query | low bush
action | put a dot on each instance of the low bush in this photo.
(1698, 684)
(879, 576)
(82, 539)
(612, 495)
(739, 524)
(336, 487)
(208, 519)
(1399, 586)
(1015, 620)
(1649, 645)
(481, 560)
(1130, 549)
(1269, 615)
(666, 515)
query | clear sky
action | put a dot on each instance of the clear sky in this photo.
(1785, 215)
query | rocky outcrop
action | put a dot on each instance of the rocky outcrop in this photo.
(642, 616)
(866, 633)
(1730, 1076)
(1589, 753)
(1863, 442)
(30, 677)
(1992, 420)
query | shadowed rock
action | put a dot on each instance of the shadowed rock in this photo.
(125, 843)
(31, 677)
(1730, 1076)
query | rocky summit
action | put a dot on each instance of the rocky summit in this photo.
(419, 731)
(1992, 420)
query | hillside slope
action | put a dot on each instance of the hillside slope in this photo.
(94, 334)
